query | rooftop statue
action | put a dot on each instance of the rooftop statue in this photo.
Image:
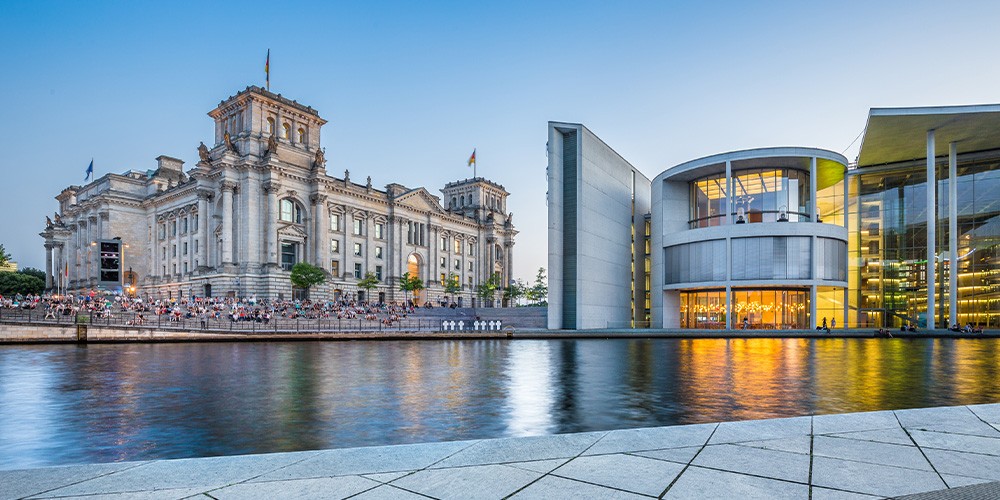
(203, 152)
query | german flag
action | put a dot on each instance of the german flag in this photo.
(472, 159)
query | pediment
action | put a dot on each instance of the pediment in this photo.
(291, 231)
(420, 199)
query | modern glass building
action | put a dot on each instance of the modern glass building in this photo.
(939, 164)
(754, 238)
(795, 237)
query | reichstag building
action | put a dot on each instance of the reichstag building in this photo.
(260, 200)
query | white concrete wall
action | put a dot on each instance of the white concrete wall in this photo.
(671, 212)
(604, 235)
(555, 228)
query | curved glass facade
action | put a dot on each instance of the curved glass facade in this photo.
(757, 195)
(761, 309)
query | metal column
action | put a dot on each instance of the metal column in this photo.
(953, 233)
(931, 232)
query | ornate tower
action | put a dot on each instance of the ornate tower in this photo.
(256, 122)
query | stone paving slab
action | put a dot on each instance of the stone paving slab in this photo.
(829, 457)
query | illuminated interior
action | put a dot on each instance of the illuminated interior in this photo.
(758, 195)
(767, 309)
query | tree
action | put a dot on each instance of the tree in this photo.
(539, 291)
(452, 286)
(368, 282)
(487, 290)
(4, 256)
(17, 283)
(305, 275)
(412, 284)
(30, 271)
(515, 290)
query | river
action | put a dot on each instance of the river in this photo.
(68, 404)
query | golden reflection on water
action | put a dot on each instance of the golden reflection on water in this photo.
(741, 379)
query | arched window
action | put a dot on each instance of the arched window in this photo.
(413, 265)
(290, 211)
(270, 125)
(463, 201)
(302, 135)
(454, 202)
(286, 131)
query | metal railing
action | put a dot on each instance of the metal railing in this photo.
(129, 319)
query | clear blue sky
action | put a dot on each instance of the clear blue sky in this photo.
(410, 88)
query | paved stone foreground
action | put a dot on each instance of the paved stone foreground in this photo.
(849, 456)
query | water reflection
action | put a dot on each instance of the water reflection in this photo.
(101, 403)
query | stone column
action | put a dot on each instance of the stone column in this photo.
(250, 225)
(59, 265)
(48, 266)
(435, 253)
(228, 188)
(271, 227)
(510, 263)
(321, 233)
(203, 222)
(92, 262)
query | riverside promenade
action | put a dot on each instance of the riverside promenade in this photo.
(953, 452)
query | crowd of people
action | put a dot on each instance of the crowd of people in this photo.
(138, 311)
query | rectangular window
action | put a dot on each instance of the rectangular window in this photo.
(194, 222)
(470, 281)
(335, 246)
(289, 255)
(173, 251)
(185, 268)
(357, 249)
(443, 278)
(458, 264)
(470, 266)
(195, 246)
(357, 270)
(335, 268)
(444, 243)
(184, 225)
(175, 268)
(185, 248)
(458, 246)
(164, 253)
(378, 272)
(444, 262)
(379, 230)
(358, 226)
(334, 222)
(173, 228)
(163, 231)
(378, 252)
(472, 247)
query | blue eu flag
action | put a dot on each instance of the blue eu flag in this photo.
(90, 170)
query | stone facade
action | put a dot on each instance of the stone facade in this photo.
(259, 200)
